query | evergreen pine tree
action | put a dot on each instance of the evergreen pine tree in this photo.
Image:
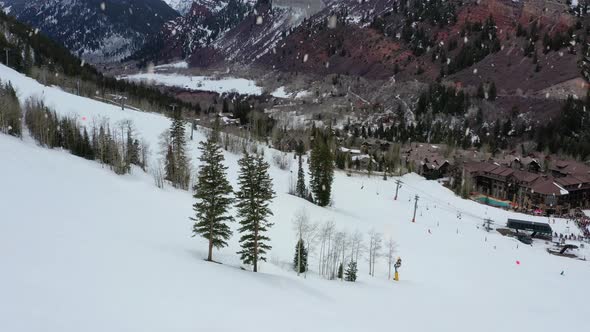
(480, 91)
(321, 170)
(179, 175)
(300, 249)
(88, 151)
(170, 165)
(300, 190)
(351, 270)
(252, 202)
(492, 93)
(212, 193)
(340, 271)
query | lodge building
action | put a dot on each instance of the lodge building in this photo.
(565, 185)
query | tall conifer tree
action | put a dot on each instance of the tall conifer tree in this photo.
(177, 167)
(321, 169)
(253, 199)
(212, 193)
(300, 189)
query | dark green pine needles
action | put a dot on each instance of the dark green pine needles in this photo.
(253, 200)
(212, 192)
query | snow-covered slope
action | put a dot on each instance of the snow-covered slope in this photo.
(83, 249)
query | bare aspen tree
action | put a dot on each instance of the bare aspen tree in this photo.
(145, 152)
(371, 243)
(344, 241)
(377, 246)
(326, 238)
(391, 248)
(356, 245)
(300, 223)
(339, 243)
(310, 237)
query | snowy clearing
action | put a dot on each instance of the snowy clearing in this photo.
(176, 65)
(203, 83)
(83, 249)
(207, 83)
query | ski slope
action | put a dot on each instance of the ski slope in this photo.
(83, 249)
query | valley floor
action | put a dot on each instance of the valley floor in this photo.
(82, 249)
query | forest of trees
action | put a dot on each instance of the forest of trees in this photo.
(117, 146)
(10, 111)
(481, 40)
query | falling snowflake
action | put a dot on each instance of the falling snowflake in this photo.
(305, 58)
(465, 40)
(82, 63)
(103, 6)
(327, 64)
(547, 95)
(474, 71)
(259, 20)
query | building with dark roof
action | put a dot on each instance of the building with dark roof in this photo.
(530, 190)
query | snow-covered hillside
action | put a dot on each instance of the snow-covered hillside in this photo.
(83, 249)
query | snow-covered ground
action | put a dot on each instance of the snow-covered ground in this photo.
(205, 83)
(83, 249)
(160, 76)
(175, 65)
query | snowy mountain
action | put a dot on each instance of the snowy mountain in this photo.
(236, 31)
(83, 249)
(198, 28)
(183, 6)
(96, 30)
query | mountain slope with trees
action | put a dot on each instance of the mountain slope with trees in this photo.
(95, 30)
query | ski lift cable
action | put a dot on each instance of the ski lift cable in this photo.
(443, 206)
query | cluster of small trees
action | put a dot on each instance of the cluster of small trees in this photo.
(10, 111)
(482, 42)
(569, 133)
(119, 148)
(213, 200)
(487, 91)
(321, 169)
(338, 252)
